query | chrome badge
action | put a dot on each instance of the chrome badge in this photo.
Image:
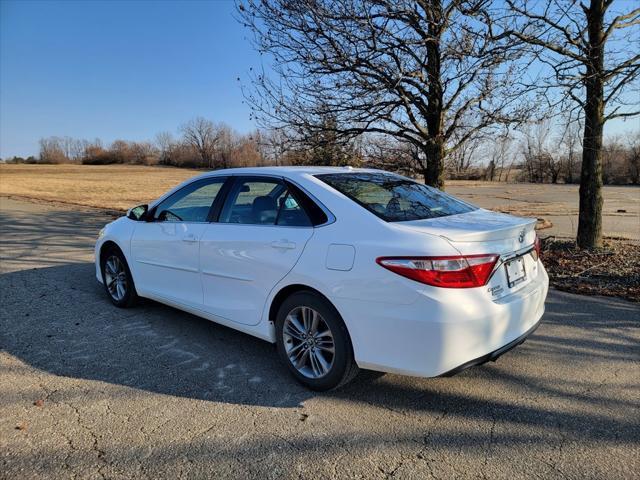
(521, 236)
(497, 290)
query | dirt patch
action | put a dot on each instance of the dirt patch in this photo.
(543, 223)
(613, 270)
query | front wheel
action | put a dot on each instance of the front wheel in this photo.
(314, 343)
(117, 279)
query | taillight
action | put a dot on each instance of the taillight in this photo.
(537, 245)
(449, 272)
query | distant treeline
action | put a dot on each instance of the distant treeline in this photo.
(541, 154)
(201, 144)
(534, 154)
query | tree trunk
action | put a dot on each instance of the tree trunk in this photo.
(590, 216)
(434, 146)
(434, 171)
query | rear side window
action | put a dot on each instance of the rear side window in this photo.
(394, 198)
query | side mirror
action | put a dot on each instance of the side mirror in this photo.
(137, 213)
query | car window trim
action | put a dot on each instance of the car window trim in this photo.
(281, 207)
(219, 201)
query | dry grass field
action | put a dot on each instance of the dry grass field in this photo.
(114, 187)
(118, 187)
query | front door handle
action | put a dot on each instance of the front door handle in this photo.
(284, 244)
(190, 238)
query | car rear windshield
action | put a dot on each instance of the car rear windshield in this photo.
(394, 198)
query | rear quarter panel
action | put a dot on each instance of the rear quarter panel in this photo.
(366, 285)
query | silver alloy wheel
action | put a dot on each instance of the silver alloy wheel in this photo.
(115, 277)
(308, 342)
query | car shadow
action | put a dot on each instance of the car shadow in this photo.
(59, 320)
(38, 235)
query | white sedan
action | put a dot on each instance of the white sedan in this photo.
(341, 268)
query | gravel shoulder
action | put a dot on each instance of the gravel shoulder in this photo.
(92, 391)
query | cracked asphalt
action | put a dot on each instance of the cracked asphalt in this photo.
(90, 391)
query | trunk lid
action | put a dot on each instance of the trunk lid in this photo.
(492, 232)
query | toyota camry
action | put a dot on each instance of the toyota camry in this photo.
(341, 268)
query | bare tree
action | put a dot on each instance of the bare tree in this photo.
(52, 151)
(501, 151)
(419, 71)
(462, 158)
(227, 141)
(274, 144)
(380, 151)
(247, 151)
(540, 165)
(593, 53)
(612, 154)
(571, 144)
(633, 158)
(202, 135)
(165, 144)
(73, 148)
(143, 153)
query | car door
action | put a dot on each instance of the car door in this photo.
(166, 248)
(261, 233)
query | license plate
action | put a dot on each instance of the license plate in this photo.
(515, 271)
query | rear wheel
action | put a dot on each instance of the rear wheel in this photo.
(117, 279)
(314, 343)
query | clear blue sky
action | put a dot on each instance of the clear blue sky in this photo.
(123, 69)
(118, 69)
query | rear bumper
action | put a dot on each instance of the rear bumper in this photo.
(445, 330)
(492, 356)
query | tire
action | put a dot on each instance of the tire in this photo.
(123, 293)
(308, 356)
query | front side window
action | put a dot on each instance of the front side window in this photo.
(394, 198)
(263, 202)
(191, 203)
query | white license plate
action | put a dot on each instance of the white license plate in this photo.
(515, 271)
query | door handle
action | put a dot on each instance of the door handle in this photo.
(190, 237)
(285, 244)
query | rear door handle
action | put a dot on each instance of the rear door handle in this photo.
(285, 244)
(189, 237)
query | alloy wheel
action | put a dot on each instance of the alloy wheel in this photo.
(115, 276)
(308, 342)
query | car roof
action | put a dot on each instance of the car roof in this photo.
(295, 171)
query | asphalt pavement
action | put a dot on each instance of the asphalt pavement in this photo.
(91, 391)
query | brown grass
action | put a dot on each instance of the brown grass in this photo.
(117, 187)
